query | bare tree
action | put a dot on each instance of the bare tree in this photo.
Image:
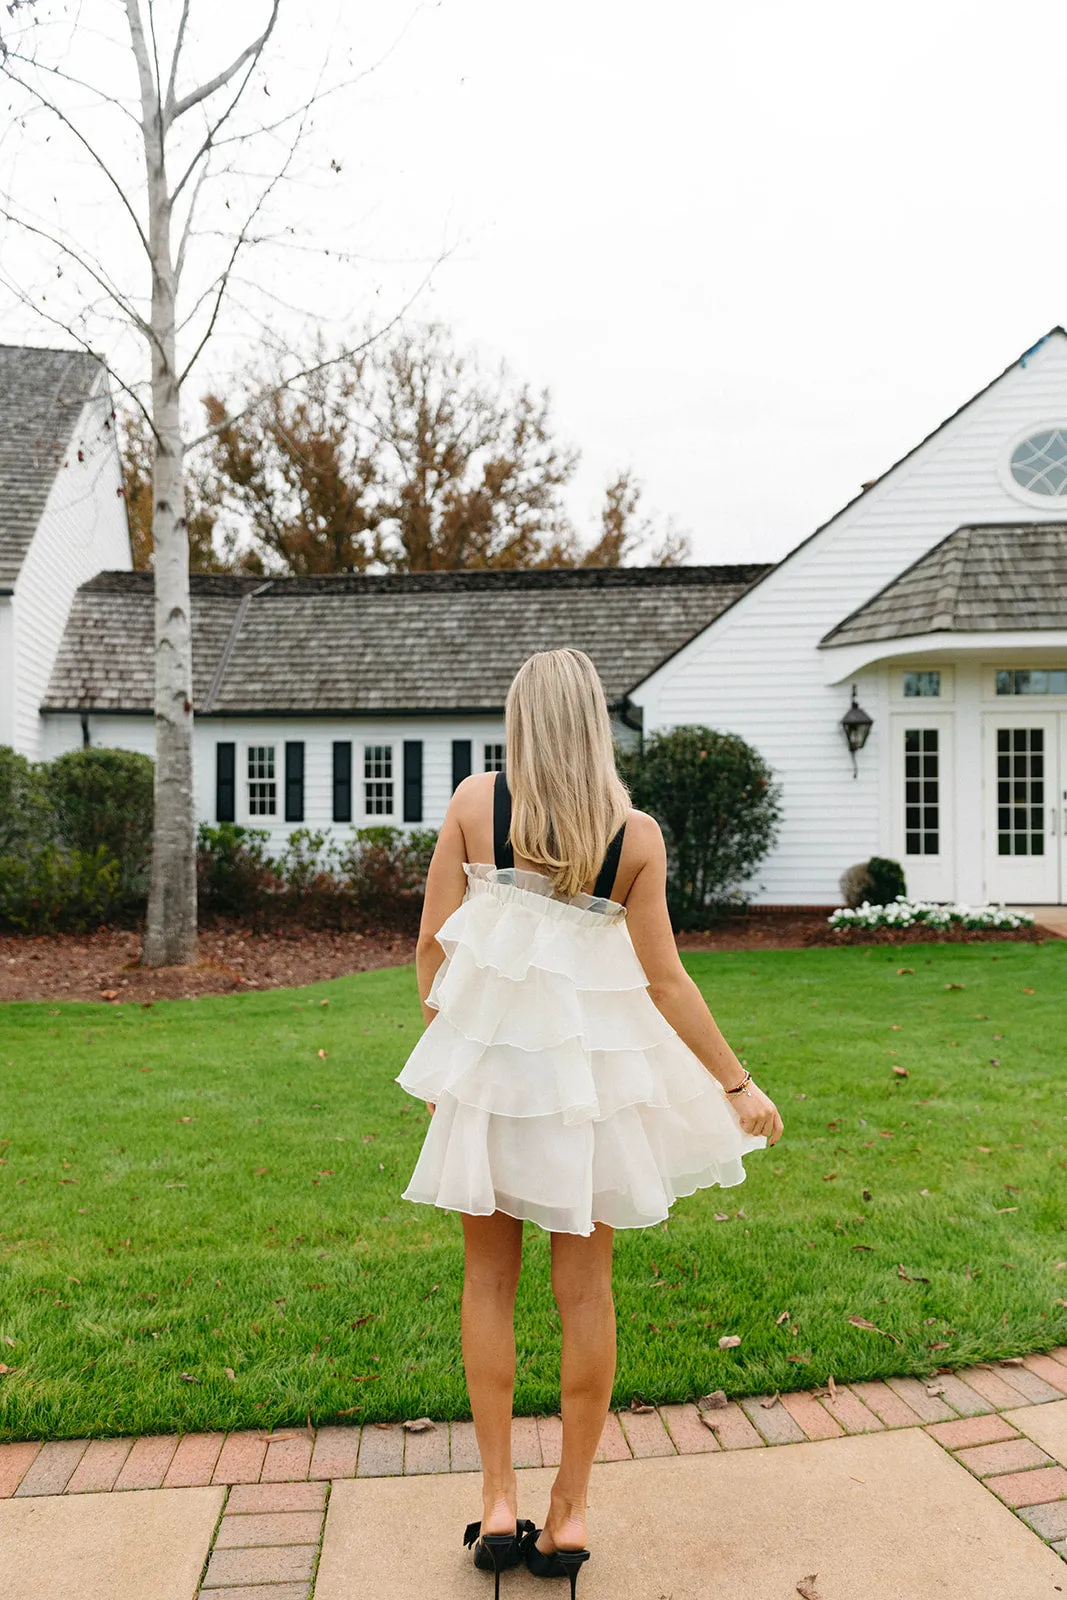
(108, 80)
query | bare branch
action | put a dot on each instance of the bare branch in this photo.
(79, 83)
(173, 77)
(95, 271)
(179, 262)
(250, 53)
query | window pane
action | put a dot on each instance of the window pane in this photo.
(378, 780)
(929, 844)
(913, 844)
(1039, 464)
(262, 788)
(922, 684)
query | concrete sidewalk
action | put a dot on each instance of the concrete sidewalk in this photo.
(902, 1490)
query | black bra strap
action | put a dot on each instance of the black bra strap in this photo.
(503, 854)
(606, 877)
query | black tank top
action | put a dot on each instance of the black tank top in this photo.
(504, 855)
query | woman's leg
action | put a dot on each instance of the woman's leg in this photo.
(492, 1258)
(581, 1282)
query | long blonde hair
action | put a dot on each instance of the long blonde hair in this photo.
(567, 799)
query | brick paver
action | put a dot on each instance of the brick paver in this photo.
(463, 1446)
(427, 1452)
(1059, 1353)
(99, 1466)
(268, 1528)
(53, 1467)
(961, 1396)
(525, 1442)
(263, 1591)
(1010, 1455)
(1049, 1520)
(283, 1564)
(929, 1407)
(335, 1453)
(849, 1410)
(1053, 1372)
(1030, 1488)
(286, 1459)
(15, 1462)
(972, 1430)
(806, 1411)
(773, 1422)
(881, 1399)
(1029, 1385)
(991, 1386)
(731, 1427)
(193, 1461)
(240, 1459)
(613, 1446)
(255, 1498)
(691, 1437)
(550, 1433)
(146, 1465)
(646, 1435)
(381, 1453)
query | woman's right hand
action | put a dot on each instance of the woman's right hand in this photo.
(757, 1112)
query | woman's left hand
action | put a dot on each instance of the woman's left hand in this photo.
(430, 1107)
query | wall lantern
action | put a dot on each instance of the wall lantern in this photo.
(857, 725)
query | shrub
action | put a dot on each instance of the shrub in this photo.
(49, 888)
(887, 880)
(102, 799)
(856, 884)
(385, 869)
(233, 870)
(25, 822)
(718, 805)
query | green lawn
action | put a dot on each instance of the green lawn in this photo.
(215, 1184)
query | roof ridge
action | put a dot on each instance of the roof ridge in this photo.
(228, 648)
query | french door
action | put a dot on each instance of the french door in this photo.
(1025, 806)
(923, 808)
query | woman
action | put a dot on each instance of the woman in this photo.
(574, 1075)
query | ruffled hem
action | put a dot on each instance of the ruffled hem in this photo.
(626, 1170)
(511, 937)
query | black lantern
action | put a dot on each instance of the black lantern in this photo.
(857, 725)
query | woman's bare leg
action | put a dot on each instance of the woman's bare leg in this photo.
(492, 1259)
(581, 1282)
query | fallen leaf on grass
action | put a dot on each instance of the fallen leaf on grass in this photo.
(113, 994)
(367, 1377)
(4, 1368)
(804, 1361)
(999, 1210)
(827, 1175)
(729, 1341)
(863, 1247)
(639, 1405)
(953, 985)
(806, 1587)
(230, 1374)
(783, 1316)
(1057, 1268)
(939, 1344)
(366, 1317)
(722, 1216)
(1028, 991)
(1059, 1301)
(7, 1337)
(187, 1377)
(905, 972)
(867, 1194)
(862, 1322)
(908, 1278)
(902, 1072)
(420, 1425)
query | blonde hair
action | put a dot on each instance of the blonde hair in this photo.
(567, 799)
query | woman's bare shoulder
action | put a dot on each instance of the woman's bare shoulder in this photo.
(643, 832)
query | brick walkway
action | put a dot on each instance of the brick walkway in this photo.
(267, 1543)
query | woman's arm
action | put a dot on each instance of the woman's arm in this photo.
(446, 884)
(674, 992)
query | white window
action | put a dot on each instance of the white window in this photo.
(378, 780)
(494, 758)
(1032, 680)
(922, 784)
(1039, 463)
(922, 685)
(262, 783)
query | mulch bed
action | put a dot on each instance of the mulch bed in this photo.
(106, 964)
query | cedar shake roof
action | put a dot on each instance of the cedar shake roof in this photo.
(42, 395)
(421, 641)
(993, 577)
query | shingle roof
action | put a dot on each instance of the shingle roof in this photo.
(988, 578)
(42, 393)
(426, 641)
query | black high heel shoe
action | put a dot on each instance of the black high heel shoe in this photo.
(554, 1564)
(496, 1552)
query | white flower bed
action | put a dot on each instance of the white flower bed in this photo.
(904, 913)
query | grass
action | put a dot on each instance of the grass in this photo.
(215, 1184)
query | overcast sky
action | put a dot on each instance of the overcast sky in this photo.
(755, 250)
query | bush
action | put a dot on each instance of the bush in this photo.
(718, 805)
(233, 870)
(102, 799)
(48, 888)
(856, 884)
(887, 880)
(385, 870)
(25, 822)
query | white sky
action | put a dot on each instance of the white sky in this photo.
(755, 250)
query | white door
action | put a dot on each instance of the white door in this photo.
(923, 792)
(1025, 760)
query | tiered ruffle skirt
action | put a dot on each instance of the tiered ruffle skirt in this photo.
(563, 1096)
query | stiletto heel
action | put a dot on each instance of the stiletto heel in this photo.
(496, 1552)
(571, 1562)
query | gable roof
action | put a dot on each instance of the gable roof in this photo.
(42, 394)
(990, 577)
(873, 483)
(424, 641)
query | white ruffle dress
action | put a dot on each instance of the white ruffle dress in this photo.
(563, 1096)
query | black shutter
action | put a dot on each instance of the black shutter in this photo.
(225, 782)
(461, 761)
(342, 780)
(294, 780)
(412, 780)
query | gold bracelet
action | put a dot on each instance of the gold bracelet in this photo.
(745, 1081)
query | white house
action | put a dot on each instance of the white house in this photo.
(939, 595)
(62, 517)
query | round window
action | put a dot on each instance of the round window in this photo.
(1039, 463)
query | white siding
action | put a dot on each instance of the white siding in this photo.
(758, 672)
(82, 531)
